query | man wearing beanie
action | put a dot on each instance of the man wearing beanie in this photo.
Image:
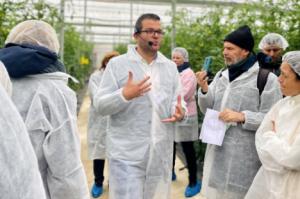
(229, 169)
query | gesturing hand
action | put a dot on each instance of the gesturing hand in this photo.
(135, 89)
(179, 112)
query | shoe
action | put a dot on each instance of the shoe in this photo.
(174, 176)
(191, 191)
(96, 191)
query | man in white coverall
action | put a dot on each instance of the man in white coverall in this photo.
(140, 91)
(229, 169)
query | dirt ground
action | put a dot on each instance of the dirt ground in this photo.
(178, 186)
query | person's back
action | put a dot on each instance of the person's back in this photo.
(47, 106)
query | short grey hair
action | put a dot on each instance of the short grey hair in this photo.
(183, 52)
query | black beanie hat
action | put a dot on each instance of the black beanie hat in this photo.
(241, 37)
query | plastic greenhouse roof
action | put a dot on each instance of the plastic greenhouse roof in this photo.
(111, 21)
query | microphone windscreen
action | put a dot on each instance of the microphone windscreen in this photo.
(150, 43)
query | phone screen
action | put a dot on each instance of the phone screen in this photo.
(207, 63)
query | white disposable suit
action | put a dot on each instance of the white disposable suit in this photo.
(139, 144)
(48, 107)
(96, 123)
(279, 152)
(230, 169)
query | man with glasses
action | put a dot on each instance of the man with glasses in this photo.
(140, 93)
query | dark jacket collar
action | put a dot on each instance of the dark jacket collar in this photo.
(26, 59)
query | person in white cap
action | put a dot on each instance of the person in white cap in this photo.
(272, 46)
(47, 106)
(187, 132)
(278, 139)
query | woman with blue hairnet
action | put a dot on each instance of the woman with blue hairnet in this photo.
(278, 139)
(20, 177)
(47, 106)
(187, 131)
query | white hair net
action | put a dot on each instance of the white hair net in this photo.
(273, 39)
(34, 32)
(293, 59)
(183, 52)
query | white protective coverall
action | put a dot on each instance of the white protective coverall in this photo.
(279, 152)
(139, 145)
(97, 123)
(229, 169)
(48, 107)
(19, 173)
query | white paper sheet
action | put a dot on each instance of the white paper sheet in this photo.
(213, 129)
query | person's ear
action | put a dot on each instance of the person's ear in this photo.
(245, 52)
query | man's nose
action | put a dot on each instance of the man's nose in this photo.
(272, 53)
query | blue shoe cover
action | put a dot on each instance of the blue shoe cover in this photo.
(192, 191)
(173, 176)
(96, 191)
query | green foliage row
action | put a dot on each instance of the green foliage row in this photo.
(203, 36)
(12, 13)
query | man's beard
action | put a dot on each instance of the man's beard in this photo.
(232, 61)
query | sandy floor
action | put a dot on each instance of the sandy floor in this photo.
(178, 186)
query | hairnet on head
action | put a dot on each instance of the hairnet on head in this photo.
(183, 52)
(273, 39)
(34, 32)
(293, 59)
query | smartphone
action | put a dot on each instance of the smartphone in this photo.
(207, 63)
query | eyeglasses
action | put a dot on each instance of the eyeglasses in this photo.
(153, 32)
